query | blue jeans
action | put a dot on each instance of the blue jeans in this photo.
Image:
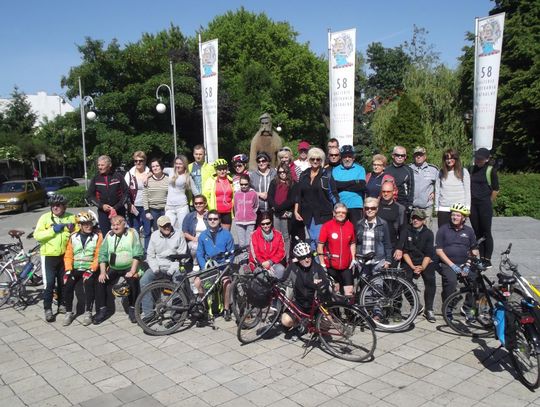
(149, 277)
(140, 220)
(314, 231)
(156, 213)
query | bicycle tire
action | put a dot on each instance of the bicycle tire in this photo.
(162, 294)
(257, 322)
(398, 307)
(346, 332)
(239, 301)
(474, 318)
(525, 358)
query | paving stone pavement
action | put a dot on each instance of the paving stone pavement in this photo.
(115, 364)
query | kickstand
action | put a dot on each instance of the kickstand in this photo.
(307, 346)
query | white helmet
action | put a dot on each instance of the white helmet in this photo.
(302, 249)
(86, 217)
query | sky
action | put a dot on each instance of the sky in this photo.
(38, 39)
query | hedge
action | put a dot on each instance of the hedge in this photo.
(75, 195)
(519, 195)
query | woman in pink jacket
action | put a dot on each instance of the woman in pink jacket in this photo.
(246, 203)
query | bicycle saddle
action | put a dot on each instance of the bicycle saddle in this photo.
(14, 233)
(506, 279)
(366, 257)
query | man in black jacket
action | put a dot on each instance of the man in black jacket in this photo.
(404, 177)
(394, 214)
(109, 192)
(418, 255)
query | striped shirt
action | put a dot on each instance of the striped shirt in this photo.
(155, 193)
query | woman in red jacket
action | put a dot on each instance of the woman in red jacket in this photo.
(267, 247)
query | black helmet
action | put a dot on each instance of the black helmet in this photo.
(346, 149)
(58, 199)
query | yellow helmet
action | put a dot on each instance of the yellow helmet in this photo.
(460, 208)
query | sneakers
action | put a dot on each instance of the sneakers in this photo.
(100, 316)
(430, 316)
(131, 314)
(62, 309)
(49, 316)
(227, 315)
(397, 317)
(87, 320)
(68, 319)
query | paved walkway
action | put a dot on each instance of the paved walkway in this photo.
(115, 364)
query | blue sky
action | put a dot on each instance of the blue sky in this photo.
(39, 38)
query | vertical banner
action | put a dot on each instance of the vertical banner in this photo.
(208, 55)
(487, 61)
(341, 59)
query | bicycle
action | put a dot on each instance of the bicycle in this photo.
(173, 303)
(382, 292)
(344, 331)
(17, 252)
(13, 283)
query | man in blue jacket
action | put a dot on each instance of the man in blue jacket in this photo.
(211, 243)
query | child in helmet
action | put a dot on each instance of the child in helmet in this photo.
(305, 276)
(239, 163)
(81, 262)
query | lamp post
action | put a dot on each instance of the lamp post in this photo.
(161, 108)
(62, 101)
(91, 115)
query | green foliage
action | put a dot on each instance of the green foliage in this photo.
(389, 66)
(264, 68)
(516, 197)
(75, 195)
(406, 127)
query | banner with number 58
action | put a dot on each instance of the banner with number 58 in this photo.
(208, 55)
(488, 50)
(341, 59)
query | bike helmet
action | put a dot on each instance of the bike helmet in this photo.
(220, 162)
(240, 158)
(302, 249)
(58, 199)
(460, 208)
(86, 217)
(346, 149)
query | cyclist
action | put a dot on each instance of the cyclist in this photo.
(119, 255)
(219, 193)
(163, 243)
(337, 249)
(52, 232)
(453, 243)
(304, 276)
(214, 241)
(268, 247)
(81, 262)
(418, 256)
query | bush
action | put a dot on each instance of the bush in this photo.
(75, 195)
(519, 195)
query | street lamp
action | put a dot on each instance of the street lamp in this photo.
(161, 108)
(91, 115)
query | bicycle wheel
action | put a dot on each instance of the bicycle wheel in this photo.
(346, 332)
(392, 301)
(37, 277)
(525, 358)
(468, 313)
(257, 322)
(161, 298)
(239, 297)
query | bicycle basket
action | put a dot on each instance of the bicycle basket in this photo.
(259, 292)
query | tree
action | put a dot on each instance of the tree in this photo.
(388, 66)
(516, 137)
(264, 68)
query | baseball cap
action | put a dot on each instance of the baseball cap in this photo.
(303, 145)
(482, 153)
(419, 149)
(419, 213)
(163, 220)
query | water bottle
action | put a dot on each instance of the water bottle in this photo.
(26, 270)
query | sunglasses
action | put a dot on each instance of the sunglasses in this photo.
(222, 169)
(266, 223)
(370, 208)
(198, 203)
(450, 157)
(239, 165)
(315, 159)
(341, 212)
(304, 257)
(213, 219)
(377, 165)
(262, 161)
(400, 155)
(244, 185)
(416, 218)
(333, 155)
(387, 192)
(138, 161)
(282, 172)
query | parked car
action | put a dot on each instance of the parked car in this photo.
(53, 184)
(21, 195)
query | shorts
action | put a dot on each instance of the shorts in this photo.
(342, 277)
(226, 218)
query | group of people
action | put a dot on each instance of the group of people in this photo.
(327, 199)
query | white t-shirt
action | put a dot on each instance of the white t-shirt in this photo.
(176, 194)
